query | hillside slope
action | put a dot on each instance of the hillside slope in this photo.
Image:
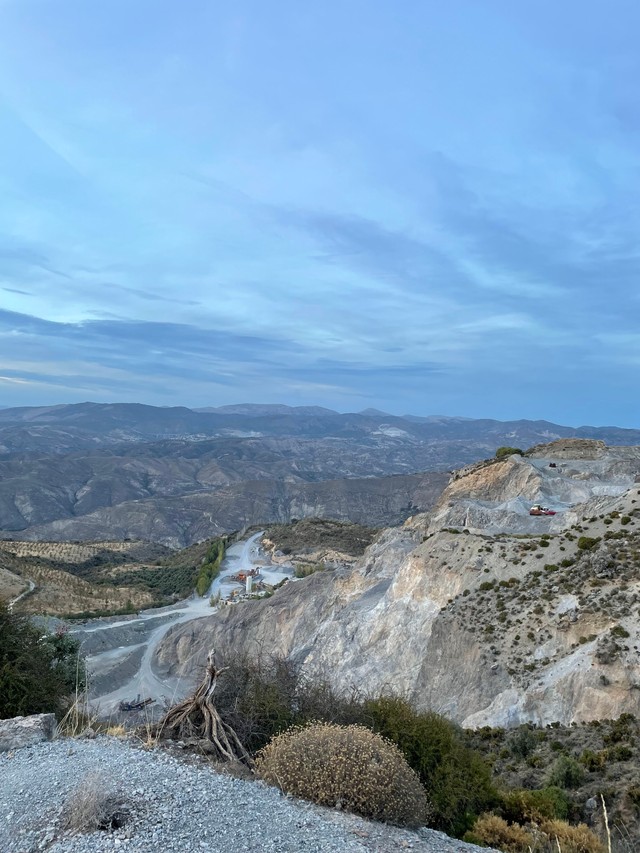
(180, 521)
(488, 627)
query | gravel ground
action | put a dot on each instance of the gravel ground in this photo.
(175, 806)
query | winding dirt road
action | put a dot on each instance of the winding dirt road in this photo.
(120, 653)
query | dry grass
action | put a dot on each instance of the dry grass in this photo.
(493, 831)
(78, 718)
(550, 836)
(571, 839)
(11, 585)
(116, 730)
(60, 592)
(92, 805)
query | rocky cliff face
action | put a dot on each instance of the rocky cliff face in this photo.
(180, 521)
(476, 610)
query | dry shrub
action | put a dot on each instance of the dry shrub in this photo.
(92, 805)
(572, 839)
(549, 837)
(346, 767)
(116, 730)
(493, 831)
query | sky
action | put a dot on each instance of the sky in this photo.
(410, 205)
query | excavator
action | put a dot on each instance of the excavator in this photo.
(538, 509)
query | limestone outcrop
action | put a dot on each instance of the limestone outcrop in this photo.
(476, 610)
(19, 732)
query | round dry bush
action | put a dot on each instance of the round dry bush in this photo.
(492, 831)
(572, 839)
(348, 767)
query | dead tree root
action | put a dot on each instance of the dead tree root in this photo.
(197, 718)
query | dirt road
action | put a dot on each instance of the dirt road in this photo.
(120, 652)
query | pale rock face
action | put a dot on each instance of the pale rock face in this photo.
(19, 732)
(486, 629)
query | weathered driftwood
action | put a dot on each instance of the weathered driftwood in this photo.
(197, 718)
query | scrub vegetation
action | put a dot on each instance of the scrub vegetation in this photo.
(346, 766)
(210, 568)
(315, 744)
(84, 580)
(38, 671)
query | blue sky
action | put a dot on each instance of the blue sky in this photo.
(416, 206)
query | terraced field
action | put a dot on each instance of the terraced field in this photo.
(75, 579)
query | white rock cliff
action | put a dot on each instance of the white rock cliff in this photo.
(476, 610)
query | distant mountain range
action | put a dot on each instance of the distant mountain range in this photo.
(177, 475)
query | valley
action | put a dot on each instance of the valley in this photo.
(177, 476)
(120, 654)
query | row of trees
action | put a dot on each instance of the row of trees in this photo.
(210, 568)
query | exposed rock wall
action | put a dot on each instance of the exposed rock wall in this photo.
(490, 629)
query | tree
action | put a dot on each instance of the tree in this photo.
(502, 452)
(38, 671)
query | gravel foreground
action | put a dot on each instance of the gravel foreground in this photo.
(176, 807)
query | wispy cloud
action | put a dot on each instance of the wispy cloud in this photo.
(408, 211)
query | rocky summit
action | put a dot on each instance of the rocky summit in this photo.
(477, 609)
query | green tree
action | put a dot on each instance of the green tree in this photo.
(502, 452)
(38, 671)
(210, 568)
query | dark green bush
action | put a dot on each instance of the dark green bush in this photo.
(620, 752)
(619, 631)
(566, 772)
(588, 543)
(457, 778)
(263, 696)
(522, 742)
(502, 452)
(593, 761)
(523, 806)
(38, 671)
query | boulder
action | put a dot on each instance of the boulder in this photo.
(26, 731)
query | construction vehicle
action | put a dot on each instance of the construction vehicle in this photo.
(138, 705)
(538, 509)
(243, 575)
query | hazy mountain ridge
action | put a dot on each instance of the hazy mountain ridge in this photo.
(114, 423)
(96, 471)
